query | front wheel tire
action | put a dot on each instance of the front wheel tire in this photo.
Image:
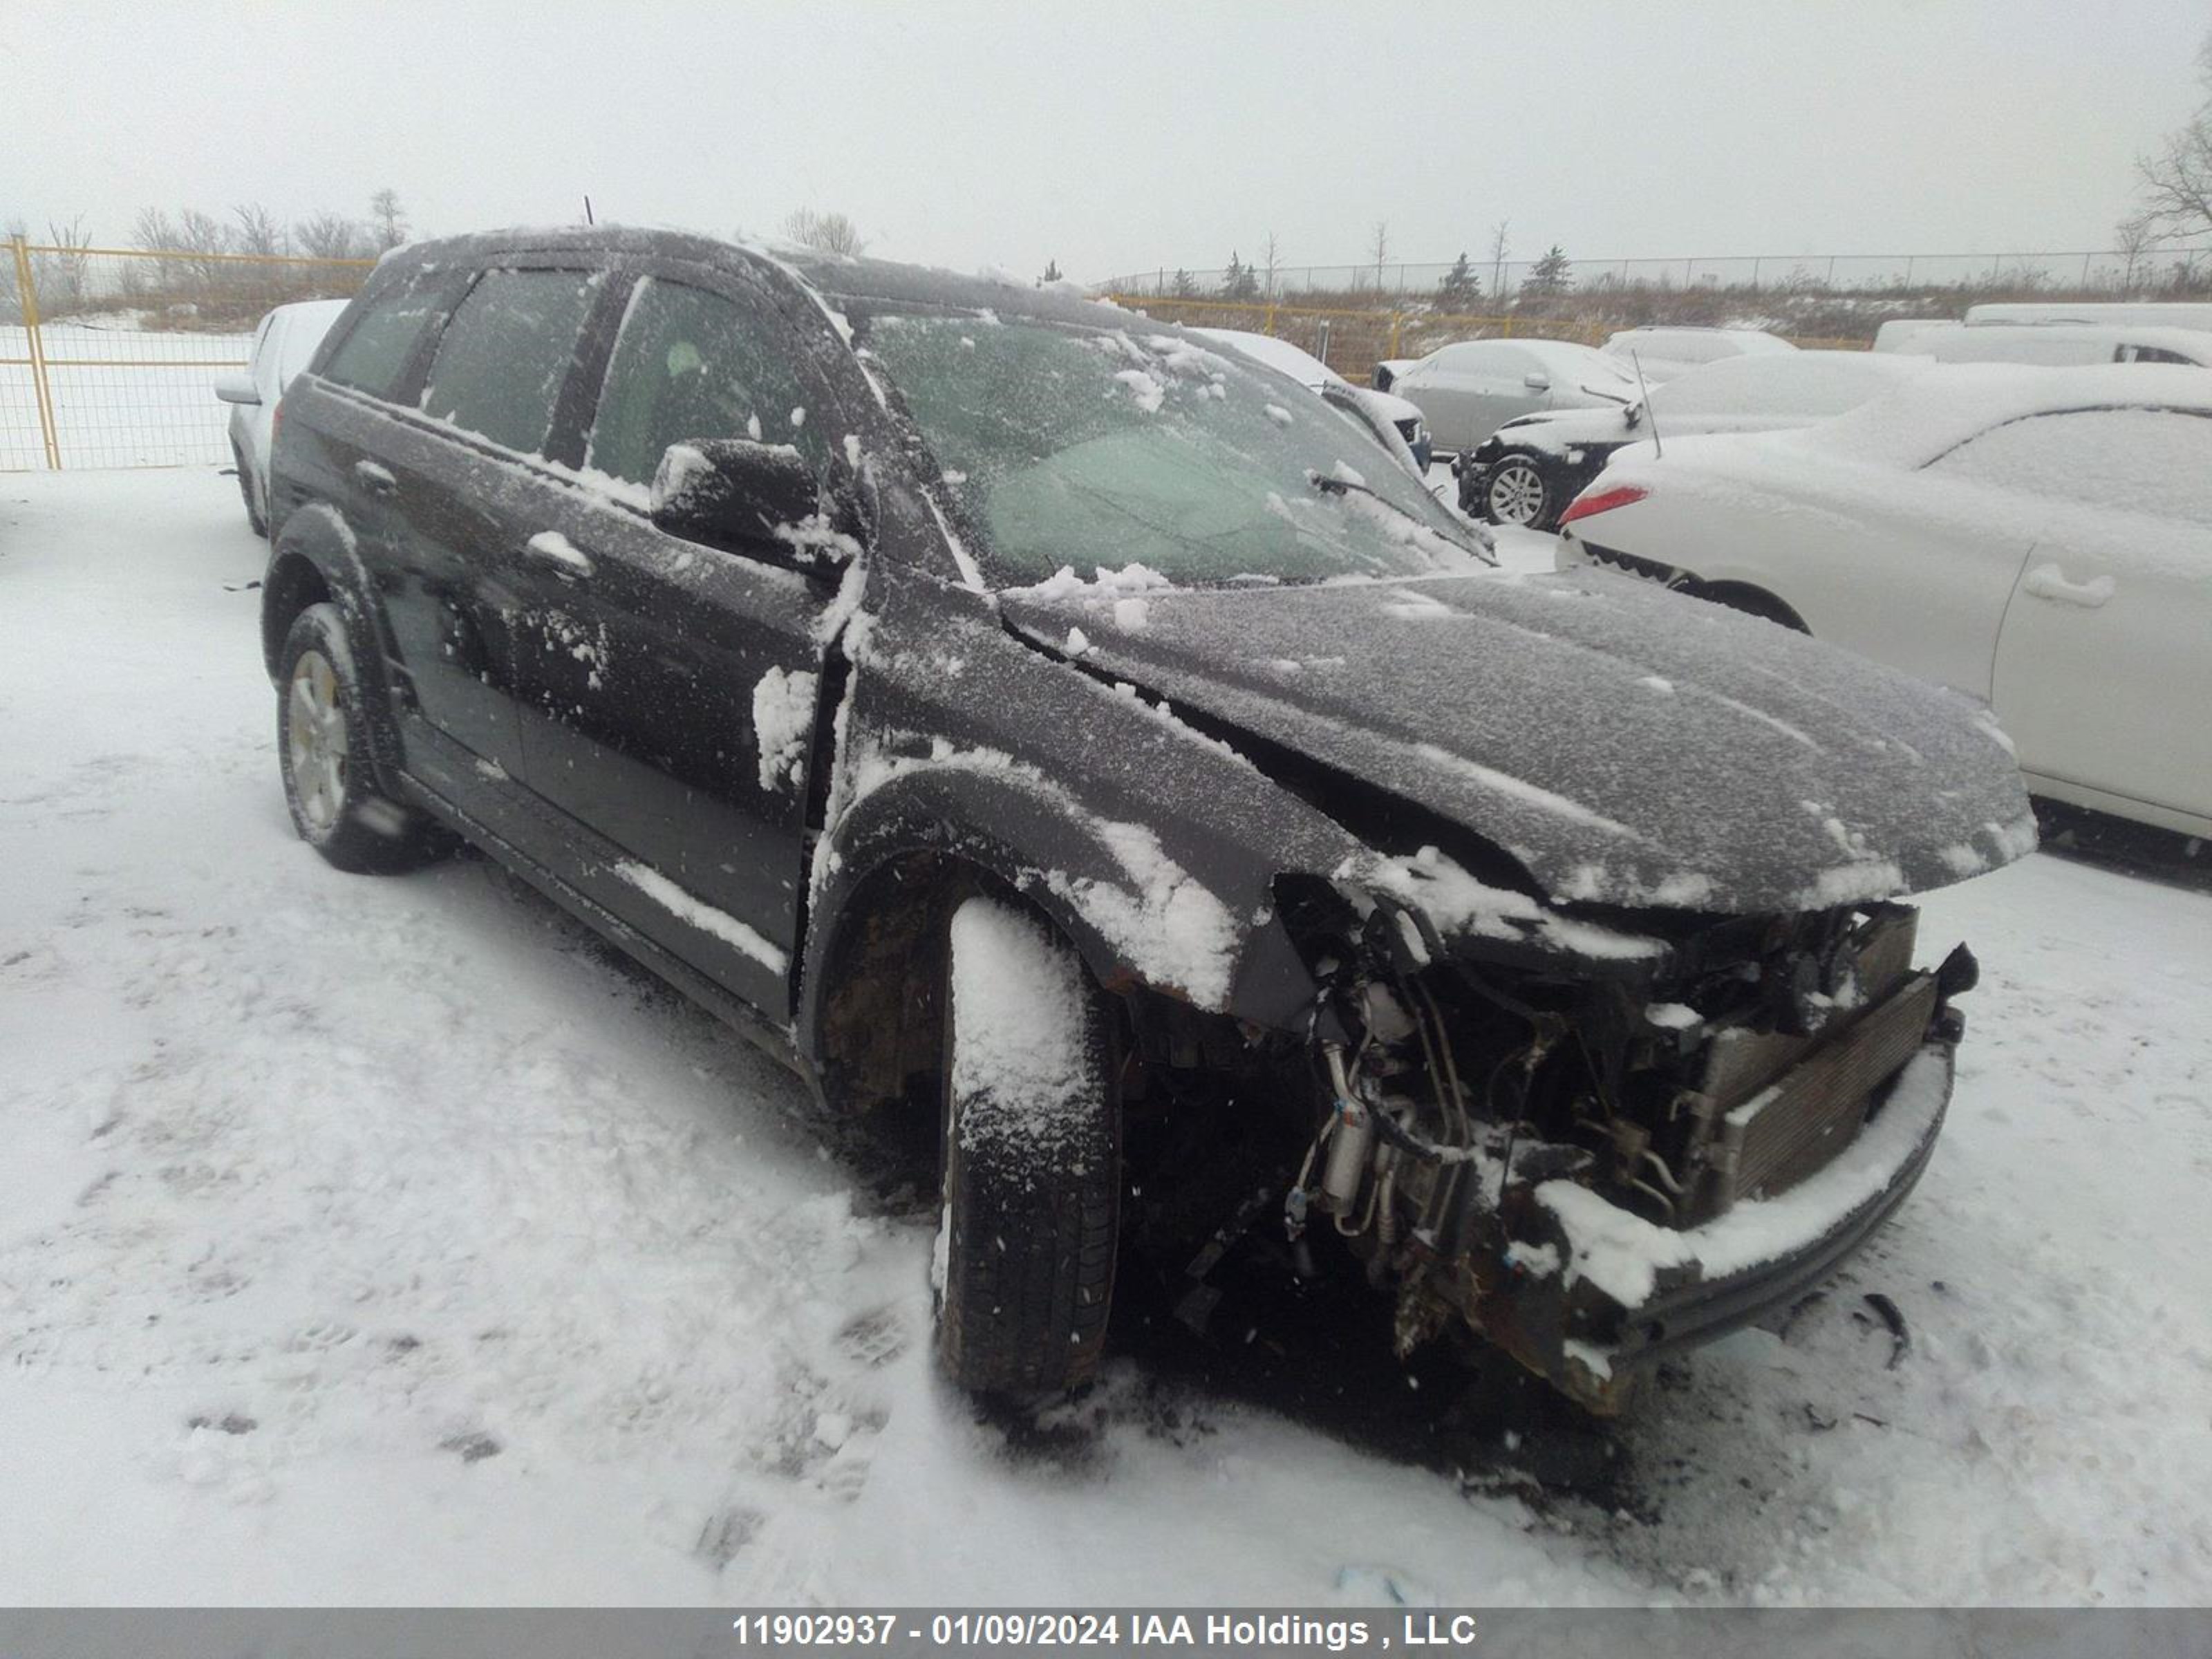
(323, 743)
(1516, 493)
(1023, 1272)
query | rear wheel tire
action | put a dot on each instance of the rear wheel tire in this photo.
(324, 742)
(1023, 1272)
(1517, 493)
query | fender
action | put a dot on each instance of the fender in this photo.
(316, 554)
(1156, 926)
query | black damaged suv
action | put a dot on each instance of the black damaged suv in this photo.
(1010, 710)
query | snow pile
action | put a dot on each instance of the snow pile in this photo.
(783, 725)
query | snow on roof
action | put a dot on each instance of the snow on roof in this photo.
(1939, 410)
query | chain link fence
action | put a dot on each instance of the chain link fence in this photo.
(107, 355)
(2110, 274)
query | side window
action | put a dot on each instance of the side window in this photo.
(499, 369)
(377, 348)
(2143, 354)
(2130, 460)
(692, 364)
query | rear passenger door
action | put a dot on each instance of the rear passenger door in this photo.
(463, 482)
(671, 689)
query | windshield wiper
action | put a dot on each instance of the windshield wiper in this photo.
(1329, 485)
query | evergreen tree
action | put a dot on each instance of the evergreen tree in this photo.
(1461, 287)
(1240, 281)
(1548, 276)
(1184, 288)
(1051, 272)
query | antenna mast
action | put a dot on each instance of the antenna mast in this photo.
(1644, 392)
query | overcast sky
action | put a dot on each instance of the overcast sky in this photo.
(1115, 137)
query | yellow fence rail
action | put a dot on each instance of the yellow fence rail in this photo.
(92, 339)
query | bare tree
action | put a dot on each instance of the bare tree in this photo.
(831, 233)
(2132, 237)
(387, 219)
(2175, 183)
(329, 236)
(1270, 261)
(256, 230)
(64, 273)
(1499, 249)
(1379, 250)
(203, 234)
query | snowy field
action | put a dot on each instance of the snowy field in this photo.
(123, 396)
(383, 1240)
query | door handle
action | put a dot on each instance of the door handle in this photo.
(2048, 582)
(375, 479)
(551, 547)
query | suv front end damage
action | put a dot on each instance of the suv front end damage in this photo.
(1591, 1146)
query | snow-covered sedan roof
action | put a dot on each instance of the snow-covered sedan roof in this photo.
(1301, 366)
(1940, 410)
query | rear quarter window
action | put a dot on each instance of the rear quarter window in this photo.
(381, 342)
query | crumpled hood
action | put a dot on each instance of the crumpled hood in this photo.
(1626, 746)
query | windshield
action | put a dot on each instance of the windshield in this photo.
(1093, 448)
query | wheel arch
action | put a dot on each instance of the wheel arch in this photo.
(902, 855)
(1750, 598)
(315, 561)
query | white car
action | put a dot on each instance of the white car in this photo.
(2054, 345)
(1467, 391)
(283, 344)
(2037, 539)
(1529, 470)
(1664, 350)
(1309, 372)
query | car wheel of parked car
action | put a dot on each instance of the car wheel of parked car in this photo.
(248, 488)
(323, 742)
(1032, 1143)
(1516, 493)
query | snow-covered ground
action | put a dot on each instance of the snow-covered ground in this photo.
(383, 1240)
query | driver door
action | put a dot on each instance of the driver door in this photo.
(668, 691)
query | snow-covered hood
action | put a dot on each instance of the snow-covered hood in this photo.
(1625, 746)
(1558, 430)
(1389, 405)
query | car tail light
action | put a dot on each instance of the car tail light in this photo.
(1604, 501)
(275, 420)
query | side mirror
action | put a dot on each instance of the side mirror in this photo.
(237, 389)
(731, 491)
(1536, 380)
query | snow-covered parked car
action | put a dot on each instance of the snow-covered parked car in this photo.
(1031, 723)
(2052, 345)
(1466, 391)
(1529, 469)
(1314, 375)
(2038, 539)
(284, 343)
(1662, 350)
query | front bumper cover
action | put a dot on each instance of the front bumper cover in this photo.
(1590, 1295)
